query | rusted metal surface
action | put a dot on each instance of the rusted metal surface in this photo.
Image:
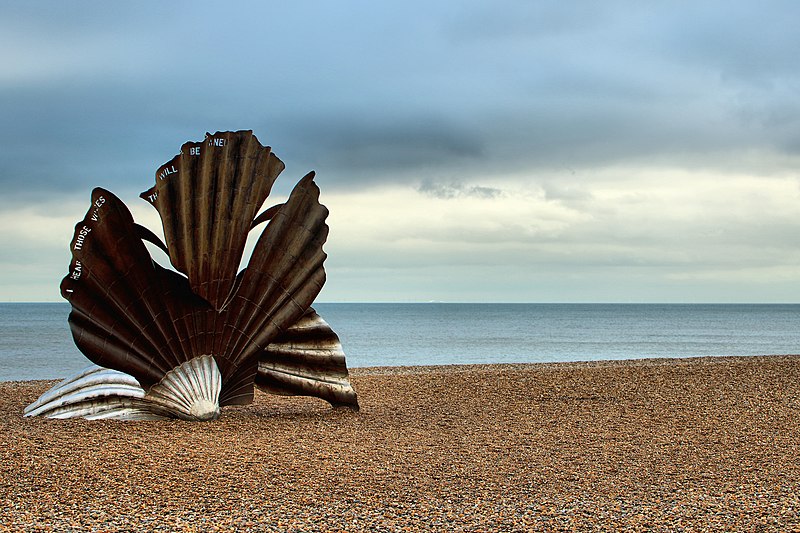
(206, 233)
(135, 316)
(307, 360)
(95, 393)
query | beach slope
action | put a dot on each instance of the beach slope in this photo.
(665, 444)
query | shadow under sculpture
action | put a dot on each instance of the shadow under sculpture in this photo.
(168, 345)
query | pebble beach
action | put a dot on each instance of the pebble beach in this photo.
(704, 444)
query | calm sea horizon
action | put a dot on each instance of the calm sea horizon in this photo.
(35, 341)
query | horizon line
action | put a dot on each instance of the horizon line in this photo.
(452, 302)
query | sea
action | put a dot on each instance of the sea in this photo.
(36, 343)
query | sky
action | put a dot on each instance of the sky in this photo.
(468, 151)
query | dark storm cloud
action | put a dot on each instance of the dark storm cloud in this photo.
(100, 93)
(358, 149)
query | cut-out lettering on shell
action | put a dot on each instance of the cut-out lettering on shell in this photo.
(183, 343)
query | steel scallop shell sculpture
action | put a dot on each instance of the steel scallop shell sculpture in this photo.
(183, 344)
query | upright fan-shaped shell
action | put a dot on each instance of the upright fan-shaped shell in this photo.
(206, 232)
(128, 313)
(195, 343)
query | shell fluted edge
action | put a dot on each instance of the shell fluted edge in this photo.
(189, 391)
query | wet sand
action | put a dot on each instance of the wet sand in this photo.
(664, 445)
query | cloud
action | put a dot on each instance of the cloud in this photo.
(386, 97)
(664, 238)
(570, 137)
(674, 230)
(457, 190)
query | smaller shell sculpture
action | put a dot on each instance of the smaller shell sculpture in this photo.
(183, 343)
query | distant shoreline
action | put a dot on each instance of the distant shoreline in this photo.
(469, 367)
(643, 361)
